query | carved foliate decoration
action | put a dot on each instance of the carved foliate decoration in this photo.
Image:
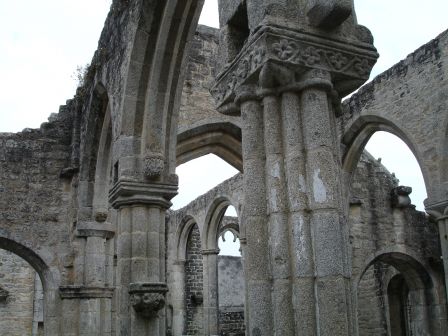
(147, 304)
(153, 164)
(299, 52)
(101, 215)
(147, 298)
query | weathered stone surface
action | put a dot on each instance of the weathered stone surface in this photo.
(83, 199)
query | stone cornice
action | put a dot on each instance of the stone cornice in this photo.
(438, 210)
(210, 251)
(95, 229)
(350, 64)
(126, 193)
(82, 292)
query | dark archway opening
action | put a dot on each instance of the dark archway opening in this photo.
(398, 300)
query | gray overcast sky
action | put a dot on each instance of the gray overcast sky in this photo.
(42, 42)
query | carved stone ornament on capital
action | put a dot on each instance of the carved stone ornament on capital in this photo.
(349, 64)
(148, 298)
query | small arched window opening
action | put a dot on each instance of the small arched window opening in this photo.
(228, 240)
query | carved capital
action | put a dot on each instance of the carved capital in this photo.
(153, 164)
(294, 53)
(438, 211)
(125, 193)
(147, 298)
(101, 215)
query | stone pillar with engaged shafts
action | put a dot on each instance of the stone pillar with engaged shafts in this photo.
(287, 65)
(93, 289)
(439, 212)
(141, 198)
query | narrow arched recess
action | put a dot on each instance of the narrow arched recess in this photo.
(95, 154)
(424, 298)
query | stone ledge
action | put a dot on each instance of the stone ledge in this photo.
(82, 292)
(94, 229)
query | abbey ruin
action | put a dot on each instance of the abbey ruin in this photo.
(331, 244)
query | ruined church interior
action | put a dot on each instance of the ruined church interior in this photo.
(310, 234)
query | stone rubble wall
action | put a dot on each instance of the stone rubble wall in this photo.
(17, 278)
(410, 99)
(197, 105)
(38, 198)
(231, 295)
(36, 208)
(373, 228)
(194, 284)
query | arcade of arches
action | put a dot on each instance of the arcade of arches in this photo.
(330, 242)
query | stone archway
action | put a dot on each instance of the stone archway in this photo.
(47, 278)
(211, 232)
(221, 139)
(358, 134)
(426, 301)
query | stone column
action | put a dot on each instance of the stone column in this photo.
(243, 244)
(443, 232)
(178, 297)
(277, 216)
(210, 279)
(285, 83)
(302, 259)
(141, 256)
(440, 214)
(258, 272)
(323, 177)
(93, 297)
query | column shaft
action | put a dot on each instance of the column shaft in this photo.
(124, 254)
(301, 246)
(278, 225)
(254, 217)
(323, 174)
(210, 279)
(443, 233)
(178, 296)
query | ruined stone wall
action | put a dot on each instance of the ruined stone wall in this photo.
(36, 209)
(409, 99)
(372, 318)
(231, 296)
(197, 105)
(194, 284)
(17, 278)
(377, 227)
